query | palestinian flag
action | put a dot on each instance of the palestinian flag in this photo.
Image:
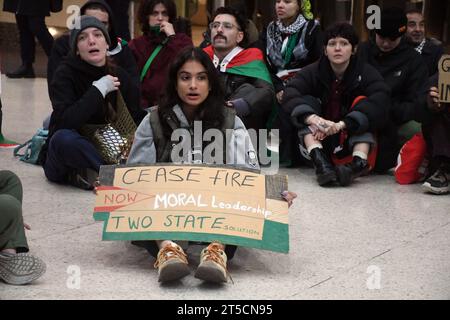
(249, 63)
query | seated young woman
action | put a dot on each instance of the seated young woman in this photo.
(338, 104)
(193, 93)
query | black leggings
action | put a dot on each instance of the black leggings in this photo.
(30, 27)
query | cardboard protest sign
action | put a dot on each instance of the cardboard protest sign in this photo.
(194, 203)
(444, 79)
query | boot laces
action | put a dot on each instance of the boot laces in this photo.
(170, 252)
(214, 253)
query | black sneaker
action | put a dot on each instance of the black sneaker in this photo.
(438, 183)
(83, 178)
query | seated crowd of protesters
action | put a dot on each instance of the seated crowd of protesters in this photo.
(342, 106)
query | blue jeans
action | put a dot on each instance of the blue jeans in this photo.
(69, 151)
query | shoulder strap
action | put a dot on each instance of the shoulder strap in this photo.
(230, 116)
(158, 134)
(150, 60)
(20, 147)
(162, 144)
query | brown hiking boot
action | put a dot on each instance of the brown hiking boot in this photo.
(213, 265)
(172, 263)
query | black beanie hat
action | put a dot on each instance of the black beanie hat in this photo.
(393, 23)
(87, 22)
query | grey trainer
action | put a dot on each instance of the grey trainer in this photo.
(20, 268)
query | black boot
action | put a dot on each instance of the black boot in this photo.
(325, 172)
(349, 172)
(82, 178)
(24, 71)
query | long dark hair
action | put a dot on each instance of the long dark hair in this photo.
(211, 111)
(146, 8)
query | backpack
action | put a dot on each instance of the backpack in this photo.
(32, 147)
(411, 161)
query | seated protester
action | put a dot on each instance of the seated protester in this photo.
(193, 93)
(436, 132)
(291, 42)
(118, 51)
(405, 74)
(430, 49)
(84, 91)
(338, 103)
(248, 87)
(157, 47)
(17, 266)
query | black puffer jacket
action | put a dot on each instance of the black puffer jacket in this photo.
(405, 73)
(309, 92)
(77, 102)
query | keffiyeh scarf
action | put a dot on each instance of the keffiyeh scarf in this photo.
(420, 47)
(278, 50)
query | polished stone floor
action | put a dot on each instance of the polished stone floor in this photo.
(374, 240)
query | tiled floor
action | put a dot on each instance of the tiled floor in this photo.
(374, 240)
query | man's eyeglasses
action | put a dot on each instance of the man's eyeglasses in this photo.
(225, 25)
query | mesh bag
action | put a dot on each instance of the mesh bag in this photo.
(113, 140)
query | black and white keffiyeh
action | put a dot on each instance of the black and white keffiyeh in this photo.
(275, 32)
(420, 47)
